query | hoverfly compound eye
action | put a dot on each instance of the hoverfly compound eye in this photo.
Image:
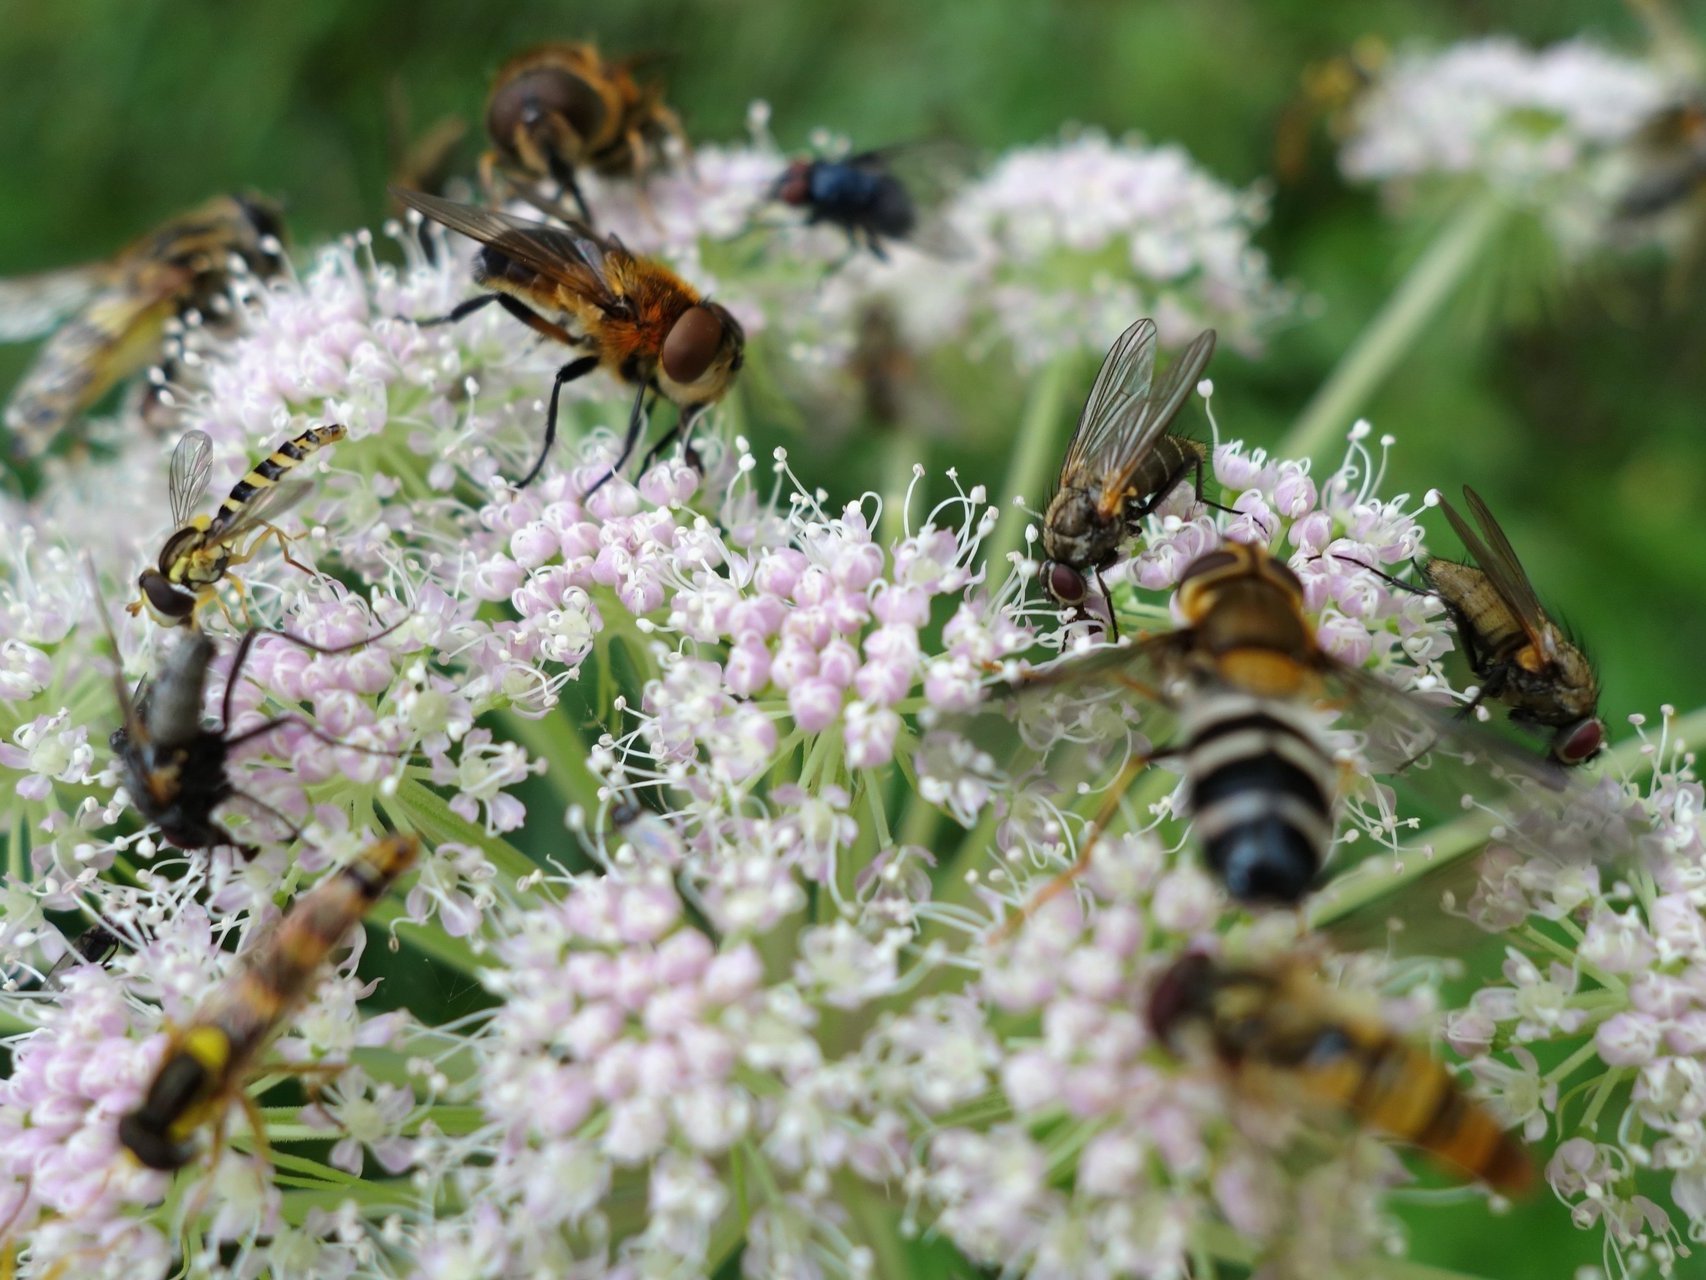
(692, 344)
(1062, 582)
(545, 91)
(1579, 742)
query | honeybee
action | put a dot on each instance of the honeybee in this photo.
(1519, 655)
(1279, 1029)
(121, 307)
(636, 319)
(202, 549)
(876, 196)
(1122, 462)
(174, 765)
(1257, 711)
(559, 107)
(204, 1067)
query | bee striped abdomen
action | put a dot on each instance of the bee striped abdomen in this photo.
(273, 468)
(1261, 787)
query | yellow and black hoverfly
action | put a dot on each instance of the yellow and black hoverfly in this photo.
(1263, 723)
(203, 548)
(1521, 657)
(119, 309)
(206, 1061)
(562, 107)
(634, 317)
(1122, 461)
(1278, 1030)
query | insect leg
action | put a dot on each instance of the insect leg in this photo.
(683, 428)
(459, 311)
(568, 373)
(251, 635)
(1086, 846)
(564, 173)
(1209, 502)
(278, 722)
(636, 424)
(1107, 599)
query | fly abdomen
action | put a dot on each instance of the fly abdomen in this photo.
(270, 470)
(1261, 786)
(1170, 459)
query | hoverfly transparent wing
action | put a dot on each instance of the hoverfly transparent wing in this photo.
(32, 305)
(264, 508)
(192, 467)
(572, 255)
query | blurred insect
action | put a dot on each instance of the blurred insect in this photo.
(1122, 461)
(1255, 705)
(875, 196)
(202, 549)
(561, 107)
(206, 1062)
(1671, 161)
(635, 318)
(1279, 1030)
(1327, 90)
(1519, 655)
(174, 765)
(119, 309)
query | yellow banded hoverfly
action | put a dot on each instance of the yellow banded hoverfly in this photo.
(634, 317)
(205, 1064)
(1520, 656)
(561, 107)
(203, 548)
(119, 309)
(1122, 462)
(1279, 1030)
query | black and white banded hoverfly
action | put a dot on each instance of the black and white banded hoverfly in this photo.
(1268, 729)
(202, 549)
(1122, 461)
(207, 1061)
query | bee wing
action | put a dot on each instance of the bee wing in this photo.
(1497, 559)
(192, 465)
(572, 255)
(1119, 441)
(32, 305)
(264, 508)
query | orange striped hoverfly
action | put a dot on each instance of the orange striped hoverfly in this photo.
(204, 1067)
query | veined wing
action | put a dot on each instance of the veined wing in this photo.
(32, 305)
(192, 465)
(1495, 557)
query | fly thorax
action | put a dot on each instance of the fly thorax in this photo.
(1074, 532)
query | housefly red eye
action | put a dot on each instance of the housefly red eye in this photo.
(1062, 582)
(1580, 742)
(692, 344)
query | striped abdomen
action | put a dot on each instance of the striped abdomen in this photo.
(1260, 783)
(208, 1057)
(1389, 1085)
(270, 470)
(1169, 460)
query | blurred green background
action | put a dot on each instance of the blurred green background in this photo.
(1581, 426)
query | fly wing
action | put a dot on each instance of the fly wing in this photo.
(32, 305)
(1497, 559)
(1124, 438)
(571, 255)
(192, 465)
(1124, 378)
(931, 170)
(266, 506)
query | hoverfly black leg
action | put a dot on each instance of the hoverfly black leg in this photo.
(568, 373)
(683, 429)
(1108, 599)
(636, 424)
(237, 661)
(564, 174)
(459, 311)
(1196, 489)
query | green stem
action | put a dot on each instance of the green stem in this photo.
(431, 815)
(1444, 265)
(1036, 460)
(901, 452)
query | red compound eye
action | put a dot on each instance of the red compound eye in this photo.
(1579, 742)
(1062, 582)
